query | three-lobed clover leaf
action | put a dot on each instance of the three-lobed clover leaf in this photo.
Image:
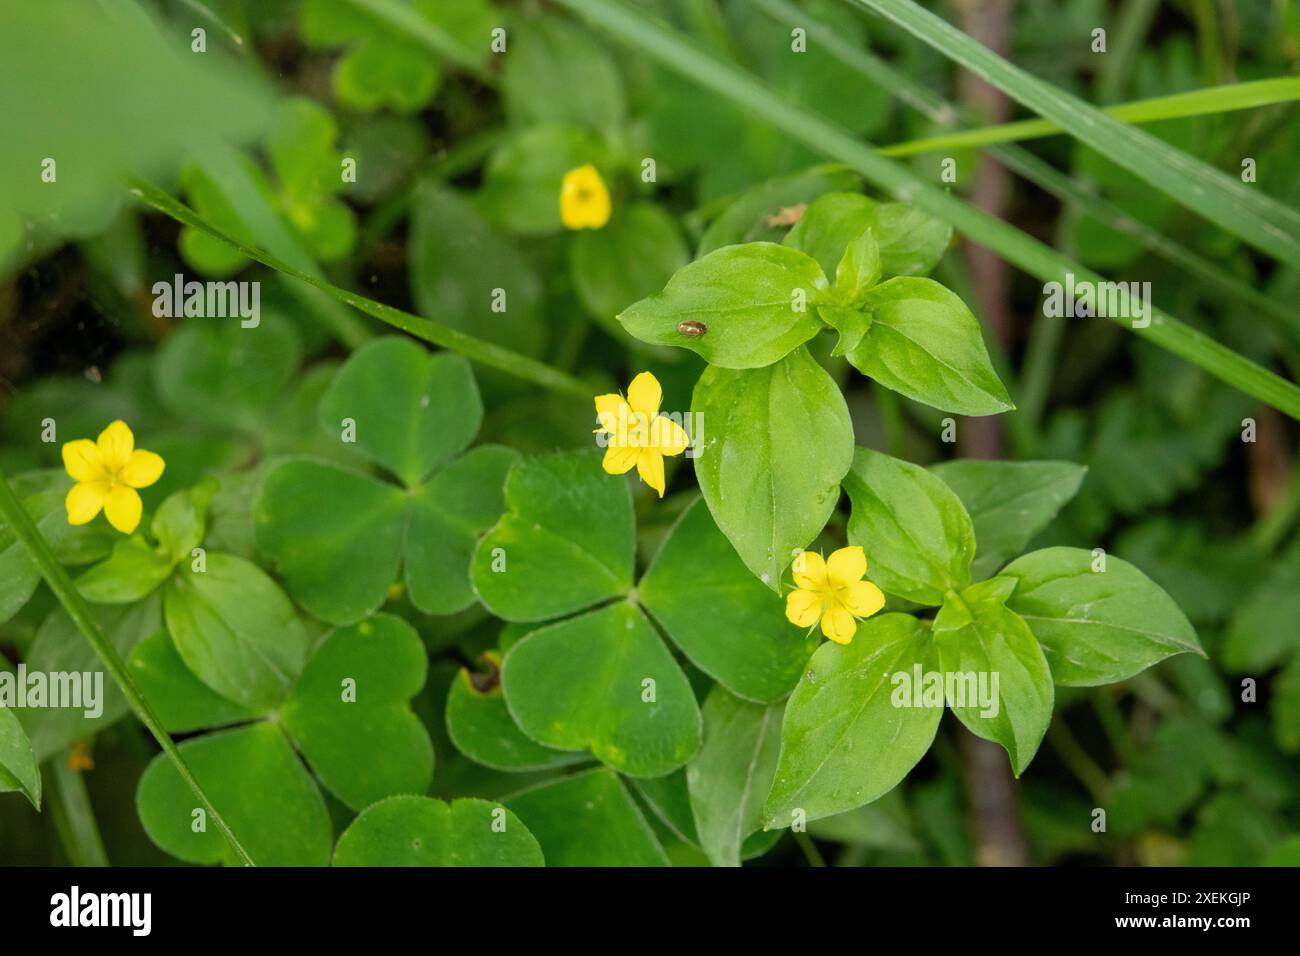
(348, 715)
(603, 680)
(422, 831)
(412, 413)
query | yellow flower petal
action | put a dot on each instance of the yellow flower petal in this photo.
(84, 501)
(861, 598)
(620, 459)
(83, 461)
(142, 469)
(610, 410)
(809, 571)
(650, 466)
(667, 437)
(584, 199)
(838, 624)
(803, 607)
(122, 508)
(846, 566)
(645, 394)
(115, 446)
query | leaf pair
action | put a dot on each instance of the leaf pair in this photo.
(867, 712)
(339, 537)
(603, 680)
(761, 300)
(348, 715)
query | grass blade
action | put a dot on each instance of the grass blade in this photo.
(1207, 102)
(1248, 213)
(25, 530)
(895, 179)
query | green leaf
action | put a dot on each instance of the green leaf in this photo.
(312, 519)
(523, 177)
(844, 742)
(181, 701)
(1261, 632)
(1008, 502)
(733, 772)
(918, 538)
(236, 631)
(910, 240)
(565, 542)
(180, 522)
(385, 71)
(858, 270)
(558, 73)
(925, 344)
(777, 442)
(216, 372)
(744, 642)
(481, 727)
(1096, 627)
(981, 642)
(414, 410)
(458, 262)
(631, 258)
(259, 786)
(19, 575)
(18, 769)
(61, 647)
(421, 831)
(588, 819)
(447, 516)
(133, 571)
(1285, 707)
(755, 300)
(604, 682)
(757, 215)
(350, 713)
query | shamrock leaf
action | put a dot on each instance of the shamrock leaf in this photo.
(411, 413)
(603, 680)
(588, 819)
(421, 831)
(348, 715)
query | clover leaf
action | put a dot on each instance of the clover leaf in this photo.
(603, 680)
(411, 413)
(348, 716)
(421, 831)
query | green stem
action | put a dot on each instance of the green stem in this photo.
(810, 851)
(1012, 244)
(1205, 102)
(1126, 41)
(473, 348)
(74, 816)
(1073, 755)
(1270, 529)
(24, 529)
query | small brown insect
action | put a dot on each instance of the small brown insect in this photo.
(692, 328)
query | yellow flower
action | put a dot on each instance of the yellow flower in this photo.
(108, 472)
(834, 591)
(638, 434)
(584, 200)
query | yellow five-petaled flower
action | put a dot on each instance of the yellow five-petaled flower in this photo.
(636, 434)
(108, 471)
(584, 200)
(834, 591)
